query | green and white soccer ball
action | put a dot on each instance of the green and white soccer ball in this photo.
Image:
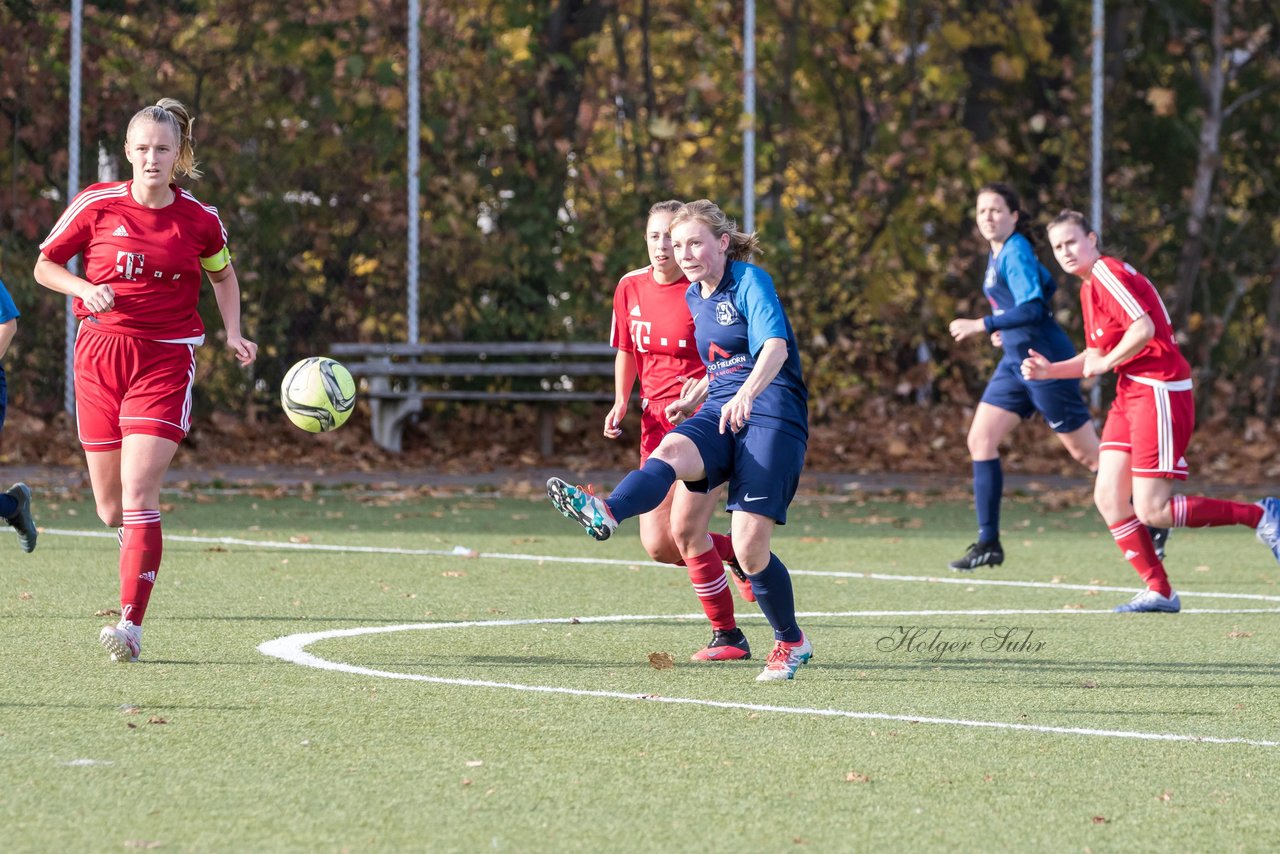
(318, 394)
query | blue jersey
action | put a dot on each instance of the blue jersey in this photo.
(8, 311)
(1020, 291)
(730, 327)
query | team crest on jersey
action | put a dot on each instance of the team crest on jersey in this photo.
(726, 314)
(129, 265)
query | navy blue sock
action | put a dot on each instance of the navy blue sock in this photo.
(778, 604)
(8, 505)
(642, 490)
(988, 487)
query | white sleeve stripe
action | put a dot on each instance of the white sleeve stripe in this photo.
(1118, 291)
(211, 209)
(78, 205)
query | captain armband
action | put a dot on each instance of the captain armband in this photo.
(217, 261)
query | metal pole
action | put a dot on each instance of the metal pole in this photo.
(749, 116)
(414, 142)
(1095, 177)
(73, 187)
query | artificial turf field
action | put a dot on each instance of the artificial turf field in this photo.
(475, 674)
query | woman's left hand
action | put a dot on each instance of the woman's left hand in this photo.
(246, 351)
(962, 328)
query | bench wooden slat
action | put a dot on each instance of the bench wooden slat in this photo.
(512, 396)
(544, 349)
(480, 369)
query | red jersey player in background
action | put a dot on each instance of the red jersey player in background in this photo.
(653, 331)
(147, 244)
(1127, 330)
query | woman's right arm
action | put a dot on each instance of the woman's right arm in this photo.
(56, 277)
(624, 377)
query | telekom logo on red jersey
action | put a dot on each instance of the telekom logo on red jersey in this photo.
(129, 264)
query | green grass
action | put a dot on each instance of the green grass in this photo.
(256, 753)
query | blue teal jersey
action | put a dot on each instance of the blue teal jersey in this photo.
(8, 311)
(1020, 291)
(730, 327)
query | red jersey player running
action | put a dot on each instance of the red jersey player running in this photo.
(1127, 330)
(147, 244)
(653, 332)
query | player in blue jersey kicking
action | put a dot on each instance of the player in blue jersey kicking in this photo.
(1020, 291)
(752, 428)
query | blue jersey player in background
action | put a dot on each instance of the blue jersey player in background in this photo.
(746, 423)
(1020, 291)
(15, 502)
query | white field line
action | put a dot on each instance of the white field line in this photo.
(292, 649)
(464, 552)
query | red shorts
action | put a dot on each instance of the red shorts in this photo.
(1153, 421)
(130, 385)
(653, 426)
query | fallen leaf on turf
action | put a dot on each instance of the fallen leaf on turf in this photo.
(142, 843)
(132, 726)
(1165, 796)
(855, 777)
(573, 621)
(453, 573)
(1075, 606)
(474, 763)
(661, 661)
(215, 549)
(466, 782)
(1236, 633)
(24, 596)
(107, 612)
(1097, 819)
(130, 709)
(156, 719)
(299, 538)
(1088, 683)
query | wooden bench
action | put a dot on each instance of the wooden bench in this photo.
(484, 372)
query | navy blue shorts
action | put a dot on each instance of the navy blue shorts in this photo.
(1059, 401)
(761, 464)
(4, 397)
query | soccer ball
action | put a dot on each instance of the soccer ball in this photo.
(318, 394)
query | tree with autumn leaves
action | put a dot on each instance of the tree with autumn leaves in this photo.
(549, 127)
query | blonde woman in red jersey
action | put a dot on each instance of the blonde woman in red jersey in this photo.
(147, 243)
(1127, 330)
(653, 332)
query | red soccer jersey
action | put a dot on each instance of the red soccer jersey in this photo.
(152, 257)
(652, 322)
(1113, 296)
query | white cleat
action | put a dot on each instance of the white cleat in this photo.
(123, 641)
(1269, 528)
(1149, 601)
(785, 660)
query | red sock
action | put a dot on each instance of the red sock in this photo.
(1196, 511)
(1134, 540)
(140, 550)
(706, 572)
(724, 547)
